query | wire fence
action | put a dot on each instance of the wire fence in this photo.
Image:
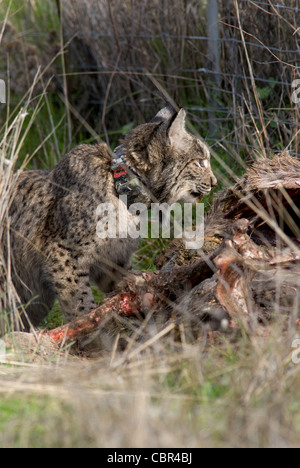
(231, 63)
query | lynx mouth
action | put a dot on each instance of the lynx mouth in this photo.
(197, 194)
(200, 195)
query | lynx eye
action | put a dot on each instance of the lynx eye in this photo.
(203, 163)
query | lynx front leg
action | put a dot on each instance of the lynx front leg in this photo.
(75, 296)
(72, 287)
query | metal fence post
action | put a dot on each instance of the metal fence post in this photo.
(213, 52)
(212, 18)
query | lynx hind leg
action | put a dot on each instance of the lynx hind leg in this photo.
(72, 286)
(36, 303)
(35, 312)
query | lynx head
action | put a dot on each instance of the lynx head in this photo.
(171, 162)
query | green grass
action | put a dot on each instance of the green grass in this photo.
(42, 15)
(232, 395)
(31, 421)
(217, 392)
(54, 319)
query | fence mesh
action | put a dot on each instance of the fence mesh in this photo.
(242, 103)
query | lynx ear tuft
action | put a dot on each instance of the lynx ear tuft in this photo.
(165, 114)
(177, 130)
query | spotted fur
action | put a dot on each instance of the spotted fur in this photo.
(55, 252)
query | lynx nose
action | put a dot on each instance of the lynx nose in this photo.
(213, 180)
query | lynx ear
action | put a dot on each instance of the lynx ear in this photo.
(165, 114)
(177, 130)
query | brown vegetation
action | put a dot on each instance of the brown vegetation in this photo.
(249, 279)
(258, 44)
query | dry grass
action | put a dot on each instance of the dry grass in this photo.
(12, 137)
(9, 152)
(16, 122)
(224, 395)
(217, 392)
(259, 50)
(135, 37)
